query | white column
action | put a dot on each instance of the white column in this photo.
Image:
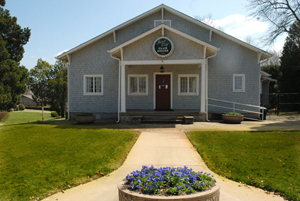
(203, 87)
(123, 89)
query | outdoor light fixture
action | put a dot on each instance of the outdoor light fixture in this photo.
(162, 69)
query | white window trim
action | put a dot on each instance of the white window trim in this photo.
(155, 21)
(243, 82)
(92, 93)
(137, 93)
(188, 93)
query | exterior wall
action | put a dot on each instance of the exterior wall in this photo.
(146, 102)
(183, 48)
(94, 59)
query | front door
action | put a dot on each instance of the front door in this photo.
(163, 92)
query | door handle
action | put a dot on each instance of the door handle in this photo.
(159, 86)
(166, 86)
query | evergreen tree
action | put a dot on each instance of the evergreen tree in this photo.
(13, 77)
(289, 81)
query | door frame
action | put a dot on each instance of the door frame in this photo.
(171, 88)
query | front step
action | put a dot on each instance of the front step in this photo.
(170, 119)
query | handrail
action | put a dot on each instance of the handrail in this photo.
(261, 112)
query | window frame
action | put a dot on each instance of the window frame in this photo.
(188, 93)
(162, 22)
(85, 83)
(137, 93)
(243, 83)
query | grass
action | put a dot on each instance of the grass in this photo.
(268, 160)
(40, 159)
(25, 117)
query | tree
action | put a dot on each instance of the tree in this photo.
(58, 88)
(280, 13)
(13, 77)
(208, 19)
(289, 81)
(38, 83)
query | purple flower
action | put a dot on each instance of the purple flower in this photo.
(149, 186)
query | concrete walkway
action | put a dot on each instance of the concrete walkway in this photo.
(159, 147)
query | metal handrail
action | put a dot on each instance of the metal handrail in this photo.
(234, 108)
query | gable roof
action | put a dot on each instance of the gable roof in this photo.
(163, 26)
(264, 54)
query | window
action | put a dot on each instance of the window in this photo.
(238, 82)
(188, 84)
(137, 84)
(159, 22)
(93, 84)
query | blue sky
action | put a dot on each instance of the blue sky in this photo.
(58, 25)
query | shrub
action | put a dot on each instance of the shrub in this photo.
(233, 114)
(4, 116)
(54, 114)
(16, 108)
(168, 181)
(21, 106)
(10, 110)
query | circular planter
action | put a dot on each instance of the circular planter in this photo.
(209, 195)
(231, 119)
(85, 119)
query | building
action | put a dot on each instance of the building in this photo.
(163, 60)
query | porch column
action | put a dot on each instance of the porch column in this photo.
(123, 89)
(203, 87)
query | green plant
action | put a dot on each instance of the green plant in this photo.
(54, 114)
(4, 116)
(233, 114)
(21, 106)
(168, 181)
(10, 110)
(16, 108)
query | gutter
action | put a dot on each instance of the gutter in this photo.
(206, 87)
(118, 86)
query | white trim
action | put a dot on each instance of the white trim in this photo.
(169, 22)
(188, 93)
(115, 37)
(171, 10)
(92, 93)
(154, 87)
(243, 82)
(164, 62)
(213, 48)
(137, 93)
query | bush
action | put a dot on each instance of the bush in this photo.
(233, 114)
(16, 108)
(4, 116)
(21, 106)
(54, 114)
(10, 110)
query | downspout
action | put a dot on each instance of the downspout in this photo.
(206, 87)
(118, 87)
(68, 69)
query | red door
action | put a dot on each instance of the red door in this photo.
(163, 92)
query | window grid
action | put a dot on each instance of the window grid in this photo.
(93, 85)
(238, 82)
(137, 85)
(188, 84)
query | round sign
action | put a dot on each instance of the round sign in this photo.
(163, 47)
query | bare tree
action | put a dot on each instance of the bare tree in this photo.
(207, 19)
(274, 59)
(280, 13)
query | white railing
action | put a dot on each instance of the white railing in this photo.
(234, 104)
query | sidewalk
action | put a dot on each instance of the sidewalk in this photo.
(159, 147)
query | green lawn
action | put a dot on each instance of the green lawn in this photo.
(269, 160)
(25, 117)
(40, 159)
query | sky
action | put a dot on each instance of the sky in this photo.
(60, 25)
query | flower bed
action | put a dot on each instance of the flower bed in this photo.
(168, 182)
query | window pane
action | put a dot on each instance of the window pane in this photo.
(89, 84)
(238, 83)
(192, 84)
(133, 84)
(98, 86)
(142, 84)
(183, 84)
